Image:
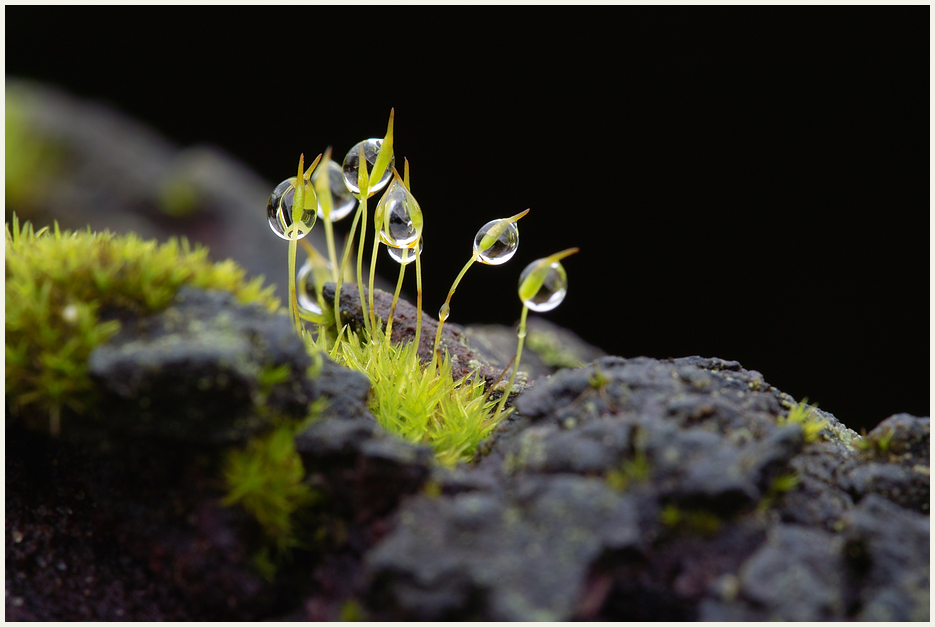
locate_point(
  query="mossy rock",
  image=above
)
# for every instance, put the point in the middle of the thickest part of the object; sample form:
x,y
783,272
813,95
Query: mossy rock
x,y
69,292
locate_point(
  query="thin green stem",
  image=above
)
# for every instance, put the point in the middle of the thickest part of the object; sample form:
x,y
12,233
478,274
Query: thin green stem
x,y
340,279
418,298
360,259
293,298
399,285
373,267
521,333
443,312
332,255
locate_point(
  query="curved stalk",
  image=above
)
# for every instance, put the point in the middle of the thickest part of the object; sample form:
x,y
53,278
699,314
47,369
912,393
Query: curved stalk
x,y
521,333
445,307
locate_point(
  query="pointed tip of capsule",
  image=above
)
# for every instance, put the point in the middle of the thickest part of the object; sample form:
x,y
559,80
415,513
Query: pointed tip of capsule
x,y
301,165
562,254
311,168
517,216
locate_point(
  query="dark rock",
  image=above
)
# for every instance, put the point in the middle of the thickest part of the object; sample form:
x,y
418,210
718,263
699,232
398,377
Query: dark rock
x,y
362,471
895,463
195,371
519,556
798,574
137,533
887,549
548,347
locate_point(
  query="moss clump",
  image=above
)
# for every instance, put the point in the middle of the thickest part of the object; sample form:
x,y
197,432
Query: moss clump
x,y
64,293
417,403
694,521
267,480
630,471
805,416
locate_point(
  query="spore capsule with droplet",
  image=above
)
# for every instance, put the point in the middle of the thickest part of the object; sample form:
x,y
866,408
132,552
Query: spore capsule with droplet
x,y
279,210
503,248
310,276
352,163
397,253
552,291
398,207
342,200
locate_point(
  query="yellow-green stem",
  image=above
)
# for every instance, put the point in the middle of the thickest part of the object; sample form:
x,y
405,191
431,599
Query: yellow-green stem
x,y
344,259
445,308
293,298
373,267
521,333
360,260
418,298
332,255
399,285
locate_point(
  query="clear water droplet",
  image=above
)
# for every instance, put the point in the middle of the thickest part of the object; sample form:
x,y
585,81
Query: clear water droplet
x,y
279,210
352,162
553,289
342,200
311,276
502,249
398,229
397,253
443,312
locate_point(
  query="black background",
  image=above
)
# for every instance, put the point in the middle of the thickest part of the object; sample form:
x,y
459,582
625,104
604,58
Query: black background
x,y
747,183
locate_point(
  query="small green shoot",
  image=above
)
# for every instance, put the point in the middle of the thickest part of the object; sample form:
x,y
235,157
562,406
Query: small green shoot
x,y
495,243
542,287
804,416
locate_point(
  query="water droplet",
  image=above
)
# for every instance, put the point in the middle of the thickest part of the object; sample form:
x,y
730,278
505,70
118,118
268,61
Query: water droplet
x,y
342,200
397,253
553,289
311,275
399,209
443,312
352,161
503,248
279,210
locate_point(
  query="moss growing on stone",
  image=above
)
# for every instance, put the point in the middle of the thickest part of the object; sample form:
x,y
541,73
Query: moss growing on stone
x,y
65,293
266,479
809,420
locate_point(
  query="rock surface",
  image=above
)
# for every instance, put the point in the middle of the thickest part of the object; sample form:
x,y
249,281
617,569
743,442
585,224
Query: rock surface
x,y
620,489
625,489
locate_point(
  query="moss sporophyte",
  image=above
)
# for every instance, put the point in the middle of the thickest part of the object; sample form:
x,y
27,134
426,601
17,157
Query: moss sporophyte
x,y
418,401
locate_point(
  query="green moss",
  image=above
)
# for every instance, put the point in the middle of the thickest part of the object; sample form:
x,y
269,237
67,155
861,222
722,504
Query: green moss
x,y
550,350
695,521
417,403
807,418
63,291
777,487
30,160
630,471
266,478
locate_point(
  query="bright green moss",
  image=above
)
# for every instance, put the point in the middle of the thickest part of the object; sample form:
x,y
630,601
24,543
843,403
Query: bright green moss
x,y
267,479
417,403
806,417
63,293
